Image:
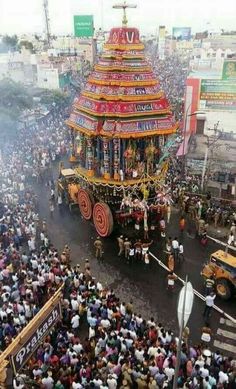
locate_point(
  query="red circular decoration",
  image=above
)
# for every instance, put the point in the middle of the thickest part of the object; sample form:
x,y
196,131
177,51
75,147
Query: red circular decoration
x,y
85,202
103,219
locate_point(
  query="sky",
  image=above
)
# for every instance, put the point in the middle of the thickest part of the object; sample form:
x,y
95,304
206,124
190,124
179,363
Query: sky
x,y
26,16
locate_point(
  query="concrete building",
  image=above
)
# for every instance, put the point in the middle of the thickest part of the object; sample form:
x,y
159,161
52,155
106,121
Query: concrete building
x,y
221,41
213,159
41,70
80,47
210,127
19,66
53,74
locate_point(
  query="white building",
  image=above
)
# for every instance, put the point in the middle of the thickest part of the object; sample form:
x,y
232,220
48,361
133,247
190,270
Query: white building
x,y
82,47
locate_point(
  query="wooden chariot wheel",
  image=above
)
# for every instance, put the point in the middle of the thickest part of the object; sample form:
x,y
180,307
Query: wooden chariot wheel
x,y
103,219
86,203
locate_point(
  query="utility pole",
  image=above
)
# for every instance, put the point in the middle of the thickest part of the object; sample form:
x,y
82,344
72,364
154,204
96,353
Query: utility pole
x,y
209,145
47,22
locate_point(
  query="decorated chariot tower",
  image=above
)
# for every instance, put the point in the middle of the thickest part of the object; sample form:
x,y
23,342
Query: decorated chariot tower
x,y
119,127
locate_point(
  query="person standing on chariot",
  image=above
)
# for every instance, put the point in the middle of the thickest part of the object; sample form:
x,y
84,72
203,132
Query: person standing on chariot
x,y
163,227
168,212
145,224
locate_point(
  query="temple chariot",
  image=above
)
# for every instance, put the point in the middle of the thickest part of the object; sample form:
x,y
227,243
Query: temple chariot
x,y
121,126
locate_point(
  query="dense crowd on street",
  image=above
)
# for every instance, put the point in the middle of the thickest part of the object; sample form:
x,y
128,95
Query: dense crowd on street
x,y
203,210
172,73
31,154
101,342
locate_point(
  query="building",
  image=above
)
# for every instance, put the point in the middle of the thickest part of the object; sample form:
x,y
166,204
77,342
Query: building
x,y
42,70
210,125
220,41
53,74
71,45
19,66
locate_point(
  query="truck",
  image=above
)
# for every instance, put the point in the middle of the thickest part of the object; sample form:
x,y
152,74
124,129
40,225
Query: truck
x,y
222,268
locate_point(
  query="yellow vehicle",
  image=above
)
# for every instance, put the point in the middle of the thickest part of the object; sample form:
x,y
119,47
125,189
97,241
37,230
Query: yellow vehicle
x,y
222,266
68,187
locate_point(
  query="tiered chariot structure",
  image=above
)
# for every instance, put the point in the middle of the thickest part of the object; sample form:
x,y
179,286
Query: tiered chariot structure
x,y
120,127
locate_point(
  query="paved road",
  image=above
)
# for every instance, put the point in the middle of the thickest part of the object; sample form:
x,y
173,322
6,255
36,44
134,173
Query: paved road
x,y
146,287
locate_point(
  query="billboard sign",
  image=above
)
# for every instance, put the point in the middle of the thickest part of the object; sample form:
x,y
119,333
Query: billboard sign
x,y
27,348
83,26
181,33
229,70
218,94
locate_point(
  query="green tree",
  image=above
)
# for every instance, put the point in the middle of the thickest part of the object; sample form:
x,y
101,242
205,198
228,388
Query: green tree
x,y
10,42
27,44
55,97
14,96
14,99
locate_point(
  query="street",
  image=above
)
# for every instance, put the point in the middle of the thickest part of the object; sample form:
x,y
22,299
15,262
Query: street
x,y
145,287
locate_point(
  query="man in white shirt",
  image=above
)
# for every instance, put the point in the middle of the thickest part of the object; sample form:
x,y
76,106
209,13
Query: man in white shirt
x,y
139,354
76,384
152,351
105,323
181,252
169,372
48,382
74,304
209,304
112,382
75,322
204,371
175,248
77,347
223,377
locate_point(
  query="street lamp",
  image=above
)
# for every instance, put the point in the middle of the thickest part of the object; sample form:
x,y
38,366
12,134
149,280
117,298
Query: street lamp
x,y
184,309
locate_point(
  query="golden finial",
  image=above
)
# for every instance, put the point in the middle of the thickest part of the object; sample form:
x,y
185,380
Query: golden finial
x,y
124,6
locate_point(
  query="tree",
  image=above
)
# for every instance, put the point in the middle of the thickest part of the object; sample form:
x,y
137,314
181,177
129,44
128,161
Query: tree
x,y
27,44
14,99
10,42
55,97
14,96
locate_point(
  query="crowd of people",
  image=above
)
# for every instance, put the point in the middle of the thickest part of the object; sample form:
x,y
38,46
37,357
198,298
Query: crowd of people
x,y
204,210
172,73
30,155
23,161
103,343
100,341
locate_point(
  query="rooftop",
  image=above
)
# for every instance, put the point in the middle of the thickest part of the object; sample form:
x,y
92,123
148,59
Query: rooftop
x,y
223,150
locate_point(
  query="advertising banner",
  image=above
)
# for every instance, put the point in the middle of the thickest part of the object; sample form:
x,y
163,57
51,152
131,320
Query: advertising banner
x,y
181,33
83,26
218,94
26,349
229,70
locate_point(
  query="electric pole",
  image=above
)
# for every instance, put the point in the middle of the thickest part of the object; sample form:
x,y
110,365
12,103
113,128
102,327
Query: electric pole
x,y
47,22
